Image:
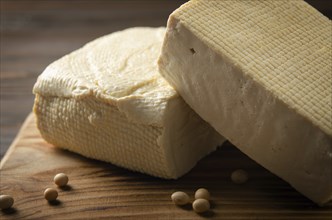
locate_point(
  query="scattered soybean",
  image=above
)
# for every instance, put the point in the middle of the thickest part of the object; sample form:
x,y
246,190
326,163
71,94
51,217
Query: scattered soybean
x,y
201,205
202,193
239,176
6,201
180,198
61,179
50,194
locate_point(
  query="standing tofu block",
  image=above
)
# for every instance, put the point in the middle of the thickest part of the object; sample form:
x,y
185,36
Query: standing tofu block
x,y
260,72
107,101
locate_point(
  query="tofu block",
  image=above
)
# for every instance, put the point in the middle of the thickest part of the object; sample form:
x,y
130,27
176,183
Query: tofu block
x,y
260,72
107,101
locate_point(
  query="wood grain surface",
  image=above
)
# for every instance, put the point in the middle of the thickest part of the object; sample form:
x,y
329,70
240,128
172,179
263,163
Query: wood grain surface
x,y
101,190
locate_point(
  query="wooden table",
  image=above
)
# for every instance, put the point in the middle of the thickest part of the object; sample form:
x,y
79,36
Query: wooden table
x,y
36,32
101,190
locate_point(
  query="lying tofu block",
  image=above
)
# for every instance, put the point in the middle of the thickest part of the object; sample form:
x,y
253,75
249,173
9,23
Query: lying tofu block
x,y
107,101
260,72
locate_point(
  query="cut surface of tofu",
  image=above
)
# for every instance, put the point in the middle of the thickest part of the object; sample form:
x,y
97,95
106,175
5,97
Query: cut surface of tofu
x,y
260,73
107,101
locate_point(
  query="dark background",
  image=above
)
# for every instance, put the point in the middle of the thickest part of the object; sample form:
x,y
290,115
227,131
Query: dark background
x,y
34,33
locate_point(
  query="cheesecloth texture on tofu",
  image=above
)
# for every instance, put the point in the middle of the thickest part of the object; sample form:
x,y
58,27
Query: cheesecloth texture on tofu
x,y
260,73
107,101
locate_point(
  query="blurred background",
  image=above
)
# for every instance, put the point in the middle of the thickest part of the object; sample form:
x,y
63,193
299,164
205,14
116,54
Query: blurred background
x,y
36,32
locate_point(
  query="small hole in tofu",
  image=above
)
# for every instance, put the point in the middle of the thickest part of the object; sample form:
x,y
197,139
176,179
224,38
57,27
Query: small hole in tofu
x,y
192,50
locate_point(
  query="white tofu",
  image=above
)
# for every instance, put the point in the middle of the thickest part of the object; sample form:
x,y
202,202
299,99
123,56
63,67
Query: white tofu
x,y
260,73
107,101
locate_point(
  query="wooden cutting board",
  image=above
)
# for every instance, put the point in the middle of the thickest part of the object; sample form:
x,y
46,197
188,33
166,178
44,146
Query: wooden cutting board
x,y
98,189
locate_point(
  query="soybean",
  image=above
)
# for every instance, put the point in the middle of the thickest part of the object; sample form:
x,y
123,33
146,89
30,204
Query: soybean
x,y
202,193
180,198
239,176
61,179
201,205
6,201
50,194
